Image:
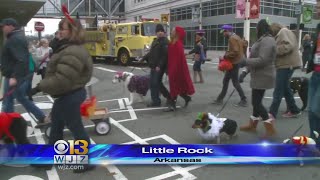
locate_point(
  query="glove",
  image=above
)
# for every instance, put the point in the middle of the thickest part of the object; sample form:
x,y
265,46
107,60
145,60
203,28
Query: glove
x,y
242,76
34,91
243,63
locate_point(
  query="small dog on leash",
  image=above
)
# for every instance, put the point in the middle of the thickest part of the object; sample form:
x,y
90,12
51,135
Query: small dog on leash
x,y
304,144
210,127
136,84
13,128
300,85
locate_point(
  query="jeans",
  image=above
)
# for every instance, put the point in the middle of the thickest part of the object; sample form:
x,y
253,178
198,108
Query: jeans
x,y
282,89
157,87
314,104
234,76
20,94
66,111
258,109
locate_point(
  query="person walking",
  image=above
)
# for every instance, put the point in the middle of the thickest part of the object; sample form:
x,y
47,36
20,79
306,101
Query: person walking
x,y
69,70
157,59
261,67
314,85
235,55
42,56
178,72
199,51
15,69
307,50
287,60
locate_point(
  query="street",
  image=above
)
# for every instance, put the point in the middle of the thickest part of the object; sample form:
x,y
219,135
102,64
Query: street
x,y
137,124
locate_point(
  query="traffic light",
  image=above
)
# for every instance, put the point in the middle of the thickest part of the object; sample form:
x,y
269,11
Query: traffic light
x,y
165,17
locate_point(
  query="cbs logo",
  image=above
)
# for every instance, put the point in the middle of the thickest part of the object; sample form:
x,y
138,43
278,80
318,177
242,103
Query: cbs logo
x,y
62,147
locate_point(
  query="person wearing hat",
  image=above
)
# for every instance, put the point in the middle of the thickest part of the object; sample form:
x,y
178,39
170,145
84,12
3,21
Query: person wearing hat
x,y
15,69
235,55
199,52
157,59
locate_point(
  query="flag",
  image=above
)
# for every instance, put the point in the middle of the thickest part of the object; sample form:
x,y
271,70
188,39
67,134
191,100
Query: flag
x,y
241,9
254,9
307,14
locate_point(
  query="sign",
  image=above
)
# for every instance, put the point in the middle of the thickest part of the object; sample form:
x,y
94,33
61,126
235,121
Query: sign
x,y
241,9
298,9
307,14
195,14
165,18
39,26
69,154
254,9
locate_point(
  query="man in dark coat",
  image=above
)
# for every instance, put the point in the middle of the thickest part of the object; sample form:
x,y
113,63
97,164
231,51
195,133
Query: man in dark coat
x,y
158,59
15,69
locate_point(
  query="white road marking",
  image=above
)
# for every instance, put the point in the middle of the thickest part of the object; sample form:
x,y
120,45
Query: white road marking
x,y
105,69
141,109
282,98
121,104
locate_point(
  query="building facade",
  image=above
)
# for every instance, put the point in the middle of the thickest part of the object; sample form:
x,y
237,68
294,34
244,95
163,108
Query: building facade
x,y
215,13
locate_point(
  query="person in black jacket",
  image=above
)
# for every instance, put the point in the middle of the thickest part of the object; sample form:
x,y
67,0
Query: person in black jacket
x,y
157,59
15,69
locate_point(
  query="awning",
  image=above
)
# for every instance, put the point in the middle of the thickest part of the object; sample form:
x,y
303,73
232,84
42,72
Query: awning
x,y
21,10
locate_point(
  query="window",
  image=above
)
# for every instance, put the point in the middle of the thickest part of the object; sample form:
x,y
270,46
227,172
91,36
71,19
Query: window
x,y
135,30
122,30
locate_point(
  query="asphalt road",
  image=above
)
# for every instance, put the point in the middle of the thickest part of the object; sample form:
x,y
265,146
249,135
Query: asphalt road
x,y
138,124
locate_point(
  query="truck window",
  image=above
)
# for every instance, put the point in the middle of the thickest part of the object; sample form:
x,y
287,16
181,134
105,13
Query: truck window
x,y
122,30
148,29
135,30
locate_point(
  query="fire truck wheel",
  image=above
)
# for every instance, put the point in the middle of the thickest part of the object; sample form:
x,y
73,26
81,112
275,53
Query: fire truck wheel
x,y
124,58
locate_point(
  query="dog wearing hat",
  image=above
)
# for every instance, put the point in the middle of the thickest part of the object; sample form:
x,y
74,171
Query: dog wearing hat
x,y
210,127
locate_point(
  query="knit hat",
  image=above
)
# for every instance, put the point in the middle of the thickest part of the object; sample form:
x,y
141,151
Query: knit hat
x,y
226,28
159,27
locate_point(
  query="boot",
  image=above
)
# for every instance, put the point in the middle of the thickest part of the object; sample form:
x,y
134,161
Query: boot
x,y
252,126
187,99
171,107
270,131
201,77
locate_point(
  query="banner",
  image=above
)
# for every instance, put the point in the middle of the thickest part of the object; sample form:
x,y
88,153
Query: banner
x,y
254,9
241,9
71,152
307,14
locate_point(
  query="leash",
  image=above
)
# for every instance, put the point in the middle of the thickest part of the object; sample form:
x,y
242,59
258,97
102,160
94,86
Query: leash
x,y
295,132
226,102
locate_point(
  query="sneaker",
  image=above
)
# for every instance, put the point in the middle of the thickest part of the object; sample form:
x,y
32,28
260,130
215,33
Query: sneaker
x,y
291,115
217,102
271,117
242,103
44,123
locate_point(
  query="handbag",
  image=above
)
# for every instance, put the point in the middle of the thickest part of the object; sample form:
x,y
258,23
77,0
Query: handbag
x,y
225,65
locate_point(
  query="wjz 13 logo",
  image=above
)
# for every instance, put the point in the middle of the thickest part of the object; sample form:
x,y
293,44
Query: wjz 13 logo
x,y
69,154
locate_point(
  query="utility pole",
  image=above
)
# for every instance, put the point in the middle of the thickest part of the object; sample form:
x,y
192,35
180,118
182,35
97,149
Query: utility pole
x,y
200,15
246,32
299,18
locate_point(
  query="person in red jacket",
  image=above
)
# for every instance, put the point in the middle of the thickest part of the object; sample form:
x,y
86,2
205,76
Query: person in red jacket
x,y
178,72
14,128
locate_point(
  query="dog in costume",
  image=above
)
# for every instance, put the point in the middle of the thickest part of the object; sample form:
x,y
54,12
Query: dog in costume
x,y
210,127
304,142
13,128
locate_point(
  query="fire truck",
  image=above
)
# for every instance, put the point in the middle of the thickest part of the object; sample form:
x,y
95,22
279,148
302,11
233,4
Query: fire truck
x,y
124,42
